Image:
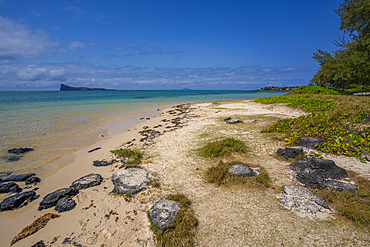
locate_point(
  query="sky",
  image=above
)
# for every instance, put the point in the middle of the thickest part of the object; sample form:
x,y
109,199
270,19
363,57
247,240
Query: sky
x,y
163,44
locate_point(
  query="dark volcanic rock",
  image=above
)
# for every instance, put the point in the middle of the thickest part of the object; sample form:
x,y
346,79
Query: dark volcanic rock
x,y
32,180
290,152
303,201
10,187
310,142
51,199
132,180
228,118
13,158
101,163
17,201
19,178
87,181
39,244
233,121
163,212
314,172
339,185
65,204
241,171
19,150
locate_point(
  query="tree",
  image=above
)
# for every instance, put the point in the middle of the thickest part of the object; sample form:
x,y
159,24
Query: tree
x,y
349,66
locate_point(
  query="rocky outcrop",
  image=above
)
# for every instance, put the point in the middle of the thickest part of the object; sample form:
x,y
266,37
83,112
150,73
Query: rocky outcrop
x,y
304,202
101,163
65,204
241,170
163,212
51,199
233,121
290,152
19,178
87,181
310,142
69,88
32,180
9,188
17,201
314,172
19,150
132,180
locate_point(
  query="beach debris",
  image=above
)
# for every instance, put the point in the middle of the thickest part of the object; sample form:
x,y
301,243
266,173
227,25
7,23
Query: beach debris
x,y
69,241
87,181
290,152
101,163
38,224
250,121
19,178
304,202
20,150
17,201
233,121
101,135
241,170
310,142
321,173
39,244
9,187
51,199
92,150
32,180
163,212
132,180
65,204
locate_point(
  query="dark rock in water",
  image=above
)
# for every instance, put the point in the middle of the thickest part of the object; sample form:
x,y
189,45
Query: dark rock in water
x,y
20,150
310,142
17,201
303,201
51,199
132,180
228,118
233,121
87,181
101,163
10,187
290,152
314,172
32,180
19,178
39,244
65,204
241,171
365,119
13,158
163,212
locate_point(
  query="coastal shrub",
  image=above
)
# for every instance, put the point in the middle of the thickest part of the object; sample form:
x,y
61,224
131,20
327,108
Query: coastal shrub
x,y
183,232
353,206
314,89
222,148
220,175
337,119
134,156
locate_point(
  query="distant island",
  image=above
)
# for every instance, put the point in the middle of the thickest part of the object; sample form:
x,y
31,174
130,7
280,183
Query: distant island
x,y
69,88
272,88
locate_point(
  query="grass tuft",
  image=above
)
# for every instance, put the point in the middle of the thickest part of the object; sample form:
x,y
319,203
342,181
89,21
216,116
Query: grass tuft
x,y
135,156
183,232
222,148
220,175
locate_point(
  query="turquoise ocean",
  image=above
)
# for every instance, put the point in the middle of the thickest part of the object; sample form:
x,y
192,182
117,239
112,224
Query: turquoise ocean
x,y
55,123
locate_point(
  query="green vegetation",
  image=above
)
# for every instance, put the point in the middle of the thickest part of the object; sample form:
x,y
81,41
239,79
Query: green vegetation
x,y
273,88
353,206
349,66
134,156
313,89
222,148
220,175
154,182
183,232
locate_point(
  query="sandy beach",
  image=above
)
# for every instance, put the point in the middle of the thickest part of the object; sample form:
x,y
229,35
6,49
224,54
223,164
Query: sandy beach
x,y
227,217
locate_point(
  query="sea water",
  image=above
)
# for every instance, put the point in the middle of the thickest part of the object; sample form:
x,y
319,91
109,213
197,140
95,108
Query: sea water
x,y
55,123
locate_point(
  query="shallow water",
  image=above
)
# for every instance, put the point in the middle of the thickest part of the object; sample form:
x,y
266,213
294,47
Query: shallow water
x,y
56,123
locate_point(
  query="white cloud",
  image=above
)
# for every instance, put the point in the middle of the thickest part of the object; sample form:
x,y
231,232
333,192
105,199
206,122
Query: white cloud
x,y
74,45
22,41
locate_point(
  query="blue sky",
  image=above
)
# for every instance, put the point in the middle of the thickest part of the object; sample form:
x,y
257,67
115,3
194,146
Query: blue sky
x,y
146,44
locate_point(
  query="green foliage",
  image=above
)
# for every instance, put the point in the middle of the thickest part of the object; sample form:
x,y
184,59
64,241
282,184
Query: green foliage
x,y
314,89
183,232
353,206
222,148
220,175
331,119
135,156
